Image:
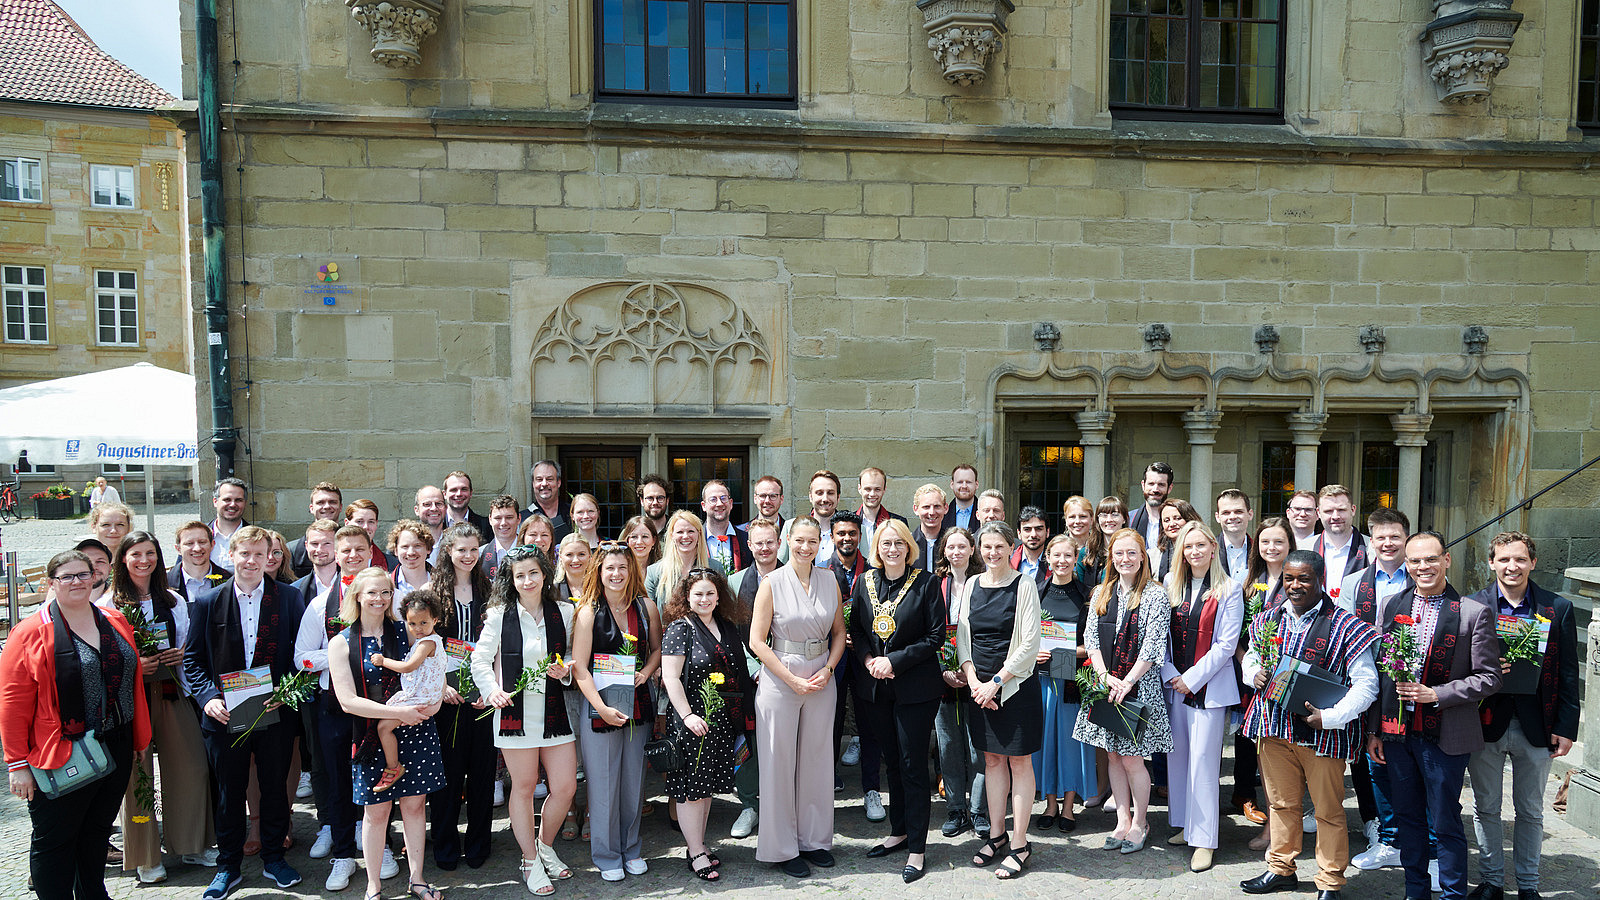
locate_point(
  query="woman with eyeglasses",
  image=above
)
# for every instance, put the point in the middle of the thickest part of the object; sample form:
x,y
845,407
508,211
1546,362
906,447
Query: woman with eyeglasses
x,y
641,539
1126,636
683,547
997,641
278,567
139,591
526,628
572,567
1110,516
466,739
586,518
897,625
109,522
1207,612
615,618
706,676
68,673
798,608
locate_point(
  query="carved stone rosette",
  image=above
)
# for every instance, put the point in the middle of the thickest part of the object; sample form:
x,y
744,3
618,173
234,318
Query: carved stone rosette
x,y
963,34
1466,46
398,28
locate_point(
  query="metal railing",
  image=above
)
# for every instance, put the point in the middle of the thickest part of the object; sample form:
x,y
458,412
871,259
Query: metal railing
x,y
1528,502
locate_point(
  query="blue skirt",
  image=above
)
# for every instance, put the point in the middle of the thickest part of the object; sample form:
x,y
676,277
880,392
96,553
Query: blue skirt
x,y
1064,764
419,753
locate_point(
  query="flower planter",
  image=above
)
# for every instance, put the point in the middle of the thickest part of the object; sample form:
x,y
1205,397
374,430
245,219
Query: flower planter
x,y
54,508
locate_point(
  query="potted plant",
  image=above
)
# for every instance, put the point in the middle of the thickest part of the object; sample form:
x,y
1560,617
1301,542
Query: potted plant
x,y
54,502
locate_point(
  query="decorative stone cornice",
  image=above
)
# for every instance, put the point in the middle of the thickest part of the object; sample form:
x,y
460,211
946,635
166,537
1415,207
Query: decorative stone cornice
x,y
398,28
963,34
1466,46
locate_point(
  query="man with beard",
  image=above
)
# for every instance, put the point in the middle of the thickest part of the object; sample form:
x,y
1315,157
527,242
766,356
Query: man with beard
x,y
769,499
1307,749
1426,727
457,503
963,506
1028,558
548,500
429,508
848,563
654,495
824,501
228,499
724,543
1146,520
326,502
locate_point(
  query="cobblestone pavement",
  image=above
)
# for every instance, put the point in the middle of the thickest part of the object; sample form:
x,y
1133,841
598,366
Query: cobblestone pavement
x,y
36,540
1062,866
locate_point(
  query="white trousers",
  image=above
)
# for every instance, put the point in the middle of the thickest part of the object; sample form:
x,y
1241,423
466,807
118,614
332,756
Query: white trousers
x,y
1194,771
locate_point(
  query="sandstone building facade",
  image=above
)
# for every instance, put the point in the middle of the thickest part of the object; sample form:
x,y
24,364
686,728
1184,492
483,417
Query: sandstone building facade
x,y
1313,243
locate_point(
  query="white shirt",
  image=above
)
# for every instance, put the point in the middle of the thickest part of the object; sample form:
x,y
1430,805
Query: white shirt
x,y
1334,559
1238,558
219,547
1152,535
1363,675
249,618
311,640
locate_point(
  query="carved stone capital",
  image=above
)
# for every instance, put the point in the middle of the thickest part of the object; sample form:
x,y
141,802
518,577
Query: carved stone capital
x,y
963,34
1094,426
1466,47
1307,428
1410,429
1202,425
1372,338
398,28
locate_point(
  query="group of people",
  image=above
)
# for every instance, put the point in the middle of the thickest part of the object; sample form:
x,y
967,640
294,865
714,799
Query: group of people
x,y
1093,667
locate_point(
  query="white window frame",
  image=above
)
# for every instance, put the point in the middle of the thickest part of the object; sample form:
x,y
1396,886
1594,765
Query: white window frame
x,y
119,296
116,182
19,299
25,175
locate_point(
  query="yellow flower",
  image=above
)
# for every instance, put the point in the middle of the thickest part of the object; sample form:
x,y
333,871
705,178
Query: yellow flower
x,y
140,820
718,678
215,577
558,660
1258,586
628,636
1541,618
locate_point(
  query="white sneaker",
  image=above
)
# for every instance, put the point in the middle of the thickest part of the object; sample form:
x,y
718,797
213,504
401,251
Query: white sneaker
x,y
390,868
541,791
875,811
1433,876
152,874
339,878
612,874
207,858
635,866
1308,823
852,752
499,792
323,845
1370,829
303,789
1381,856
745,825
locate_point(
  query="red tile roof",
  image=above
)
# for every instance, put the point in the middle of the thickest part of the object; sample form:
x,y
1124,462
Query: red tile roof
x,y
46,57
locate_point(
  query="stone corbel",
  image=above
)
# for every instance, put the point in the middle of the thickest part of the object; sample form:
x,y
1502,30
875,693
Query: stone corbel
x,y
963,34
1466,45
398,28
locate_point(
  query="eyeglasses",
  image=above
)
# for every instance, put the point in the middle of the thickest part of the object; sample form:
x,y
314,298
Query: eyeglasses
x,y
1303,510
769,496
72,577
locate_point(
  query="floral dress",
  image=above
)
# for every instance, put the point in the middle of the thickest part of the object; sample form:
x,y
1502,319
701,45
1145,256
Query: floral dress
x,y
1155,620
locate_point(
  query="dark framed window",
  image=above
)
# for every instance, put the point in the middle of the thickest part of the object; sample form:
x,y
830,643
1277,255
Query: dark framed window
x,y
689,468
1047,474
736,52
1214,59
611,474
1277,475
1380,479
1589,67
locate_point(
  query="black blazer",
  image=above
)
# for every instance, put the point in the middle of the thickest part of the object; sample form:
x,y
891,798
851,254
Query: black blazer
x,y
479,522
923,559
560,523
176,585
1529,708
950,516
913,649
201,672
1139,518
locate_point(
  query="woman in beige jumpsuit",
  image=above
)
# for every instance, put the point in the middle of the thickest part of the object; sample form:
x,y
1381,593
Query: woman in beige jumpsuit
x,y
798,606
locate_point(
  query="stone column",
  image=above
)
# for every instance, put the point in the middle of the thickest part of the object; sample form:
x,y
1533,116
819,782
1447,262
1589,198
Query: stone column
x,y
1410,435
1201,426
1307,431
1094,430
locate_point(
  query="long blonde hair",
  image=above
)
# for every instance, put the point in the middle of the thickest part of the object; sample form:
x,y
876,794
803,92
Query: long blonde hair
x,y
350,603
672,568
1108,582
1178,578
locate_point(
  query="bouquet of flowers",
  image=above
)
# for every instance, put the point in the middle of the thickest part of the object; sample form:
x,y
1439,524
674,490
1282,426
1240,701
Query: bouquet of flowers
x,y
293,690
1523,639
143,634
1399,655
711,703
948,660
1092,687
1267,643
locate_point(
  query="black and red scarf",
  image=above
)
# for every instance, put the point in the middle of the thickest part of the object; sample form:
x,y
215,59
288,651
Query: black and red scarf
x,y
364,736
1124,641
1192,633
512,717
608,639
117,663
1436,664
331,623
1355,561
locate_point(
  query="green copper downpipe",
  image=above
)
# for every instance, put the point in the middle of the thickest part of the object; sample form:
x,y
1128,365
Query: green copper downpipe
x,y
223,433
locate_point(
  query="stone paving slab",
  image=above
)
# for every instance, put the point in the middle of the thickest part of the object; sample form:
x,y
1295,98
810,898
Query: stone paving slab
x,y
1062,866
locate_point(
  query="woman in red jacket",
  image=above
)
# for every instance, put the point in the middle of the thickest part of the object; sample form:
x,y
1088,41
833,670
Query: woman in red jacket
x,y
68,670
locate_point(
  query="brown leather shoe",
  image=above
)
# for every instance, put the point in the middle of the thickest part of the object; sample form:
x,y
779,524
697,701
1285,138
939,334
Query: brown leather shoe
x,y
1253,813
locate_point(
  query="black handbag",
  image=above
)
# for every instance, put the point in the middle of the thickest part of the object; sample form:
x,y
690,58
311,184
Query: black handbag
x,y
665,757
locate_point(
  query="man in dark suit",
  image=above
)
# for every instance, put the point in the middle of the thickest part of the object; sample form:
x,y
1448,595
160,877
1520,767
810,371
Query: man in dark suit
x,y
1028,558
1156,485
871,484
457,508
963,500
1342,548
548,500
194,573
326,503
1233,518
1530,728
247,621
847,565
769,500
655,500
1426,727
725,544
928,505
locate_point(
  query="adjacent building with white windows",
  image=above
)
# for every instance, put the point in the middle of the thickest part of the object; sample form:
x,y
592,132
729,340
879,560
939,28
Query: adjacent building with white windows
x,y
92,217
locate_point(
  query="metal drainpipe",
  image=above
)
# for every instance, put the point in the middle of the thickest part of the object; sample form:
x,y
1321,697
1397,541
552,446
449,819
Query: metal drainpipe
x,y
212,210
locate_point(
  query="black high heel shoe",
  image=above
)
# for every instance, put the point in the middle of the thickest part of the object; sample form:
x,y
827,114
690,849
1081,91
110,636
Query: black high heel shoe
x,y
992,846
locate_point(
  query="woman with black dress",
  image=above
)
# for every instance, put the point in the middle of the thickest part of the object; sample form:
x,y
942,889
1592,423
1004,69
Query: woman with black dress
x,y
897,624
703,657
1064,768
466,735
997,641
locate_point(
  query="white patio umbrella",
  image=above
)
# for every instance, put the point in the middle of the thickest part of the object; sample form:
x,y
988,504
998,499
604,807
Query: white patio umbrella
x,y
136,415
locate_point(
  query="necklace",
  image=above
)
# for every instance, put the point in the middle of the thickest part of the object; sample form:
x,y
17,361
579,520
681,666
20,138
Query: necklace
x,y
883,610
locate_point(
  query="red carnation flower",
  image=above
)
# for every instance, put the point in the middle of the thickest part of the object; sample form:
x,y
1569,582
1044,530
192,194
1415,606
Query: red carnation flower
x,y
347,579
1334,593
1404,620
1088,663
1277,639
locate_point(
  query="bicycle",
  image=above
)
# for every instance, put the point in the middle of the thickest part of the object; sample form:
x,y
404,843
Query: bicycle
x,y
9,509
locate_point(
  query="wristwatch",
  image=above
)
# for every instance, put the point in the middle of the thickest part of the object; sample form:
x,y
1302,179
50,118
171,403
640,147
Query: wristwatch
x,y
998,681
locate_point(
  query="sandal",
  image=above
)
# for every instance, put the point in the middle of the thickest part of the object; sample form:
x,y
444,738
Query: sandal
x,y
389,777
1020,856
569,827
990,849
375,895
708,872
252,845
585,834
534,877
429,892
712,855
552,863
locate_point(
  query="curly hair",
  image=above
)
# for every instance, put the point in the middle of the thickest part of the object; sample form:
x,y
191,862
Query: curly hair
x,y
504,589
728,606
